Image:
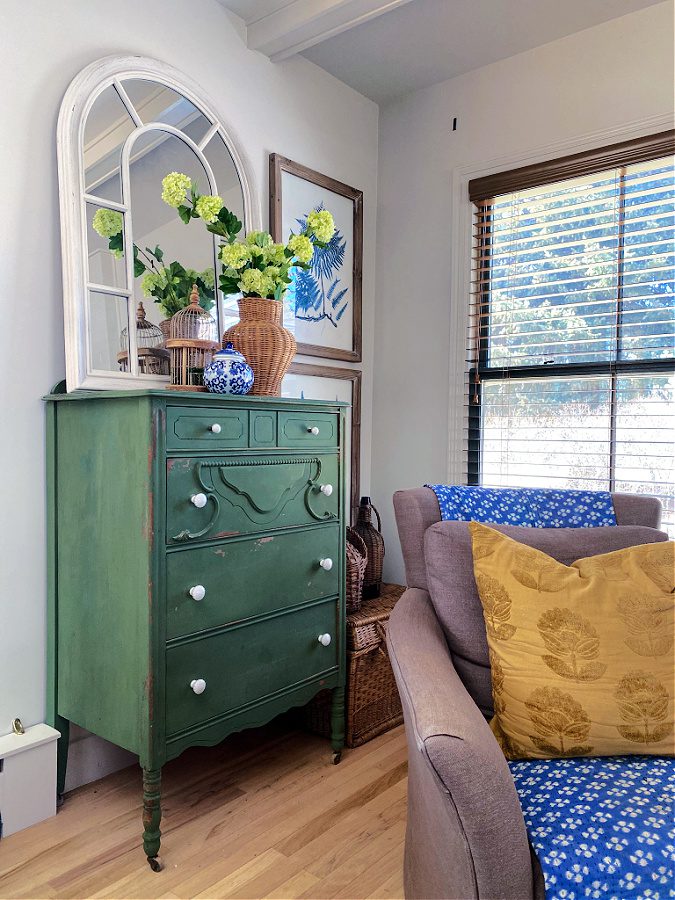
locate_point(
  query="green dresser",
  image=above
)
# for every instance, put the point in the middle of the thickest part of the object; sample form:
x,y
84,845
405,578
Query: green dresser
x,y
196,569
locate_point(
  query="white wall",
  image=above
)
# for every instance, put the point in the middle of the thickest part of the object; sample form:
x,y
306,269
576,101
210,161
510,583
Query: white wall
x,y
580,91
294,108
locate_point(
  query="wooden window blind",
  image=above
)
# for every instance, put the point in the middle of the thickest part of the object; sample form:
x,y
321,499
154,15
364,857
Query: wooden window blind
x,y
570,358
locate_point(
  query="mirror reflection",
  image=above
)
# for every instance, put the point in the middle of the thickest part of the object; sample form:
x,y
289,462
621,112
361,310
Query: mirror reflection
x,y
108,126
167,257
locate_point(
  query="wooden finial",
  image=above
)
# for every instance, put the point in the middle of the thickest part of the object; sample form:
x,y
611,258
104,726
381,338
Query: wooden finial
x,y
194,296
140,312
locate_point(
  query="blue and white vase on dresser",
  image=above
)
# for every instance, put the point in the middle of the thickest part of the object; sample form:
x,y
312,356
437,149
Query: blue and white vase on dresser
x,y
228,372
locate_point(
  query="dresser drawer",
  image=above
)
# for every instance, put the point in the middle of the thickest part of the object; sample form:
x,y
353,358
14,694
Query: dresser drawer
x,y
242,579
248,663
206,428
308,430
215,498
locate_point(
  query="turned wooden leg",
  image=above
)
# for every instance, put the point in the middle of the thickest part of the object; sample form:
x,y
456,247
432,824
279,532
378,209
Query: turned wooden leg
x,y
152,814
337,723
63,727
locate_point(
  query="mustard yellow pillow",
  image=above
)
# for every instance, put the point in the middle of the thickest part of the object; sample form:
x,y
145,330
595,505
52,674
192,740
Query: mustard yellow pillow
x,y
582,656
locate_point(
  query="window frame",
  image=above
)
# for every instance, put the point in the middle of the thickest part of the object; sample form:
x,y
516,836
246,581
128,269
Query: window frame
x,y
481,190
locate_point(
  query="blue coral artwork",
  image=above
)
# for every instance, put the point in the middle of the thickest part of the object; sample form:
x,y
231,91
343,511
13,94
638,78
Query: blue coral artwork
x,y
322,302
319,294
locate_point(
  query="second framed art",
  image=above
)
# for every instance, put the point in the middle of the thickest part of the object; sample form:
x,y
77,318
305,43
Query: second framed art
x,y
323,304
309,382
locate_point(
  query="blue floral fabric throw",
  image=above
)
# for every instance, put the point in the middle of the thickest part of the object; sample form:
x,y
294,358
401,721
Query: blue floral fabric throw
x,y
536,507
602,828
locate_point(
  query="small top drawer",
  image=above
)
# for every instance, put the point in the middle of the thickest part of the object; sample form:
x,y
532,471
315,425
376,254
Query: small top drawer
x,y
310,429
206,428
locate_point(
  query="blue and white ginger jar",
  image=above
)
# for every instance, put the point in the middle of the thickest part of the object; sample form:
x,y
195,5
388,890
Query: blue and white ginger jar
x,y
228,372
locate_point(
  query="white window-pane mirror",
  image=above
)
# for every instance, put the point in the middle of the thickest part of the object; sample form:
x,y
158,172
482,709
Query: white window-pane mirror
x,y
125,123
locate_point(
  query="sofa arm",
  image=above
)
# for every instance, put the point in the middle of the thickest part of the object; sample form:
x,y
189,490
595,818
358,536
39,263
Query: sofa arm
x,y
466,834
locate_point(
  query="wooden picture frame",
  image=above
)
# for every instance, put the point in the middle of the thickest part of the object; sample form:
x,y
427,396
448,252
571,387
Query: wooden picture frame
x,y
354,376
280,166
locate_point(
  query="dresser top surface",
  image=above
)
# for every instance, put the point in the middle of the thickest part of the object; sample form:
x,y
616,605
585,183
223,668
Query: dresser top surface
x,y
194,398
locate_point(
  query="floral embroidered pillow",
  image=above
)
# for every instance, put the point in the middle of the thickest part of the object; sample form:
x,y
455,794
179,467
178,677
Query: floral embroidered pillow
x,y
582,656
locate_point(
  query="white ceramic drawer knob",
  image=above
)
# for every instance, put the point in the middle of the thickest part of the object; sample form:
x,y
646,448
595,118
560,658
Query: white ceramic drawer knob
x,y
326,564
313,430
326,489
198,592
215,428
325,639
198,685
199,500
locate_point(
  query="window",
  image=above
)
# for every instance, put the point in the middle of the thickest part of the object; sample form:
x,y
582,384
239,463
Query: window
x,y
571,358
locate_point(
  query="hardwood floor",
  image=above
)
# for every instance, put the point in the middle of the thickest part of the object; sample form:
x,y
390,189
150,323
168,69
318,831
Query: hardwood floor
x,y
264,814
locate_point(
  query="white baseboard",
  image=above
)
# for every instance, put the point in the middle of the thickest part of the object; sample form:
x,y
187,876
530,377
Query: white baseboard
x,y
91,758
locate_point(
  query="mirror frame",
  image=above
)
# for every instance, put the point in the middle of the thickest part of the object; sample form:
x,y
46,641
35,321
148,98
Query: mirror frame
x,y
77,102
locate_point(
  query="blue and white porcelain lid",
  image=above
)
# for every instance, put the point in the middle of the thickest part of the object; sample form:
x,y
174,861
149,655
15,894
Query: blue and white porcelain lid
x,y
228,352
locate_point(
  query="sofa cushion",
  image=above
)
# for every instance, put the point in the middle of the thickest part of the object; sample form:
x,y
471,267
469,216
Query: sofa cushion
x,y
582,656
603,827
449,565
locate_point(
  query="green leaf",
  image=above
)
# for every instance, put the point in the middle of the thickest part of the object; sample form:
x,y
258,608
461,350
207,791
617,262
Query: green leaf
x,y
139,268
116,242
158,253
185,213
230,222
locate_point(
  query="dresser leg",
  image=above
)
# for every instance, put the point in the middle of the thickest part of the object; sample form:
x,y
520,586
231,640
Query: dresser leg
x,y
337,723
63,727
152,814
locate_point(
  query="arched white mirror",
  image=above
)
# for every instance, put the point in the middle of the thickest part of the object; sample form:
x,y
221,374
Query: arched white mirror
x,y
125,123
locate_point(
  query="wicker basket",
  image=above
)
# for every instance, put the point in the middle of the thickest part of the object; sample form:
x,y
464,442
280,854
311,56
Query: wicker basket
x,y
357,559
373,705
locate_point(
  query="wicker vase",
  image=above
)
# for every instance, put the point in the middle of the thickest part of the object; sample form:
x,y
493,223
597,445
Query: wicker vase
x,y
266,345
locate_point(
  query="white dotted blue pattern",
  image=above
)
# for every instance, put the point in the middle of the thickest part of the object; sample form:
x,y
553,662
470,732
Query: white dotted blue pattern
x,y
535,507
603,827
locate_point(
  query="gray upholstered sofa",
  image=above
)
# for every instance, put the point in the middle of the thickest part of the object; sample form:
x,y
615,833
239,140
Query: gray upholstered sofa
x,y
466,834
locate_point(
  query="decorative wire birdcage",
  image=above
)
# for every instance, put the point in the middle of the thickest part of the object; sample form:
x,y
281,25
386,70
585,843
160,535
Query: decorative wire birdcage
x,y
191,343
153,358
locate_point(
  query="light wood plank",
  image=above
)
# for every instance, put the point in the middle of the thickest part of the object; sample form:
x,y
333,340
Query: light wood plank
x,y
264,814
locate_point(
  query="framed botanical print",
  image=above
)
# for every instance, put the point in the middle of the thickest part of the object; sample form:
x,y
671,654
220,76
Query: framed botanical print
x,y
323,304
309,382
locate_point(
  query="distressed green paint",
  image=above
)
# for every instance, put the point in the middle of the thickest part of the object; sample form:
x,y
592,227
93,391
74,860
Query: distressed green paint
x,y
287,573
244,663
248,493
125,637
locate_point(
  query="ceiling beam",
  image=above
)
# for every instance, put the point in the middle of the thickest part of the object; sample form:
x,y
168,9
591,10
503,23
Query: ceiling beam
x,y
304,23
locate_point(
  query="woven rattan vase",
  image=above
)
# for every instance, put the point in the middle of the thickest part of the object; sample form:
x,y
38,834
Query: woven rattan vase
x,y
264,342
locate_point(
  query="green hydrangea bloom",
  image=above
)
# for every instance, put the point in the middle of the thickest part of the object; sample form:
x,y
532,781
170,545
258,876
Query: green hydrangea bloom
x,y
320,223
207,277
252,282
259,238
107,222
151,281
174,187
235,256
274,255
301,247
207,208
